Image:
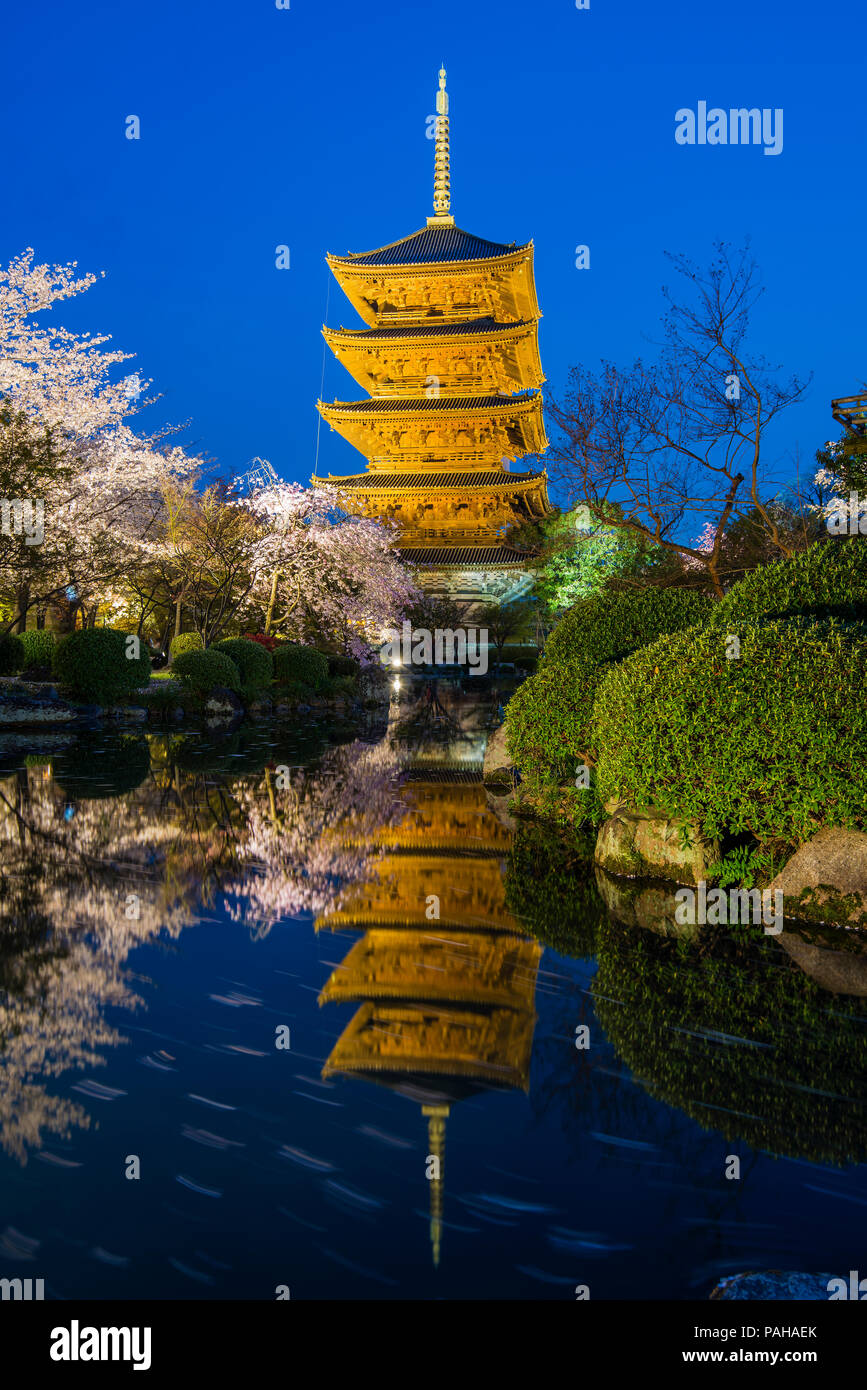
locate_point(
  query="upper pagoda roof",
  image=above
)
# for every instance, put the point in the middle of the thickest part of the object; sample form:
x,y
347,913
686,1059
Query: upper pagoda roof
x,y
432,246
435,405
442,330
411,482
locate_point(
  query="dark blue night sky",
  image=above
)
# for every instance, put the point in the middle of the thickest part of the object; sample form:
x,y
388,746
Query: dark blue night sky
x,y
306,127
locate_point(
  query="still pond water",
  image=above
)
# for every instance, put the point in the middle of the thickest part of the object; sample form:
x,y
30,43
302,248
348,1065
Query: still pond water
x,y
174,905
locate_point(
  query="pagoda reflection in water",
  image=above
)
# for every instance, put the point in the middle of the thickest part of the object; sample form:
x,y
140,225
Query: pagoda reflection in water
x,y
446,1001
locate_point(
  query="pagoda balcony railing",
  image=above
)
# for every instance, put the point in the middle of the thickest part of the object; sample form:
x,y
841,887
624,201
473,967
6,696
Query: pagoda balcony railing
x,y
486,533
413,387
491,457
851,411
428,315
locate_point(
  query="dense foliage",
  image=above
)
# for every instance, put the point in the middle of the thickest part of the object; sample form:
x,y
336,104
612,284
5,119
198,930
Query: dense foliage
x,y
609,626
99,664
201,672
758,744
185,642
37,648
254,662
829,580
296,663
549,718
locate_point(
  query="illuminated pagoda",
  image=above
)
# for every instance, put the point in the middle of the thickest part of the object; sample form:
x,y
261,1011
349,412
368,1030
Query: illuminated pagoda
x,y
446,1004
449,359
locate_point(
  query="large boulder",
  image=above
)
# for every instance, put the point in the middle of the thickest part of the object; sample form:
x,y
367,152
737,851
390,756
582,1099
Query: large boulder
x,y
648,844
651,906
826,879
838,972
498,770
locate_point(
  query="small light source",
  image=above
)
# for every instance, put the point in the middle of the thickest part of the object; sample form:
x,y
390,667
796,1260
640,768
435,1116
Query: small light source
x,y
395,661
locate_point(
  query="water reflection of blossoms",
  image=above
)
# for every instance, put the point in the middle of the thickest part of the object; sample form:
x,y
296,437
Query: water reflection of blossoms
x,y
308,833
105,846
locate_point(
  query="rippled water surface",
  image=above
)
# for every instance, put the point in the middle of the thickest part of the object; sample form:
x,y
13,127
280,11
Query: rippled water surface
x,y
175,905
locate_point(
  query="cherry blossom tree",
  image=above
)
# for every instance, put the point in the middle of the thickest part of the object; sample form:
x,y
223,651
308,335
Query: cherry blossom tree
x,y
100,483
319,567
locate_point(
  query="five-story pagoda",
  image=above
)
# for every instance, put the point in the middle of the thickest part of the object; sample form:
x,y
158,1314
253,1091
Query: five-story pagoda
x,y
449,359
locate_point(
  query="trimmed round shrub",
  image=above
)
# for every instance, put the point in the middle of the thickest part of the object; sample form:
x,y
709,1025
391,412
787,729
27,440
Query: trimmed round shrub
x,y
343,666
98,664
769,743
185,642
828,580
37,648
11,653
293,662
609,626
201,672
545,722
549,717
254,662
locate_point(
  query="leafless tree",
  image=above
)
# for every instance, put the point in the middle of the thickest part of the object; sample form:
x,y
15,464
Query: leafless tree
x,y
679,443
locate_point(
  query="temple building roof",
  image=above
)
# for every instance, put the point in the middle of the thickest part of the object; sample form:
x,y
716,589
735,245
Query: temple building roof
x,y
436,405
425,330
465,556
407,482
432,246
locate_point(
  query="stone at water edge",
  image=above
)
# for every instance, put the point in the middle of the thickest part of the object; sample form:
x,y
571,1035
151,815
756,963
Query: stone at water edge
x,y
783,1285
838,972
826,879
223,701
651,906
648,845
499,770
24,710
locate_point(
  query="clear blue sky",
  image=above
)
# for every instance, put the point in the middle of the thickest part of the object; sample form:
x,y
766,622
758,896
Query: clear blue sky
x,y
306,127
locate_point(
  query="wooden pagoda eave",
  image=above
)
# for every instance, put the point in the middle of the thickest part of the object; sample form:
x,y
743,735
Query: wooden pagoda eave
x,y
511,353
499,269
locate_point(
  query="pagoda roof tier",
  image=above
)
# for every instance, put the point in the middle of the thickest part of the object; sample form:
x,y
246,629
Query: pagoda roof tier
x,y
431,245
492,1045
440,430
459,968
465,557
454,481
481,356
440,272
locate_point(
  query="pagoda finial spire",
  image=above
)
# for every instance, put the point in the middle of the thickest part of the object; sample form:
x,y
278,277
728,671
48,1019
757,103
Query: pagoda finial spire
x,y
442,175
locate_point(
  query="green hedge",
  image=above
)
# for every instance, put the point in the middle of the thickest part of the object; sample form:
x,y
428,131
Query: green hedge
x,y
609,626
11,653
200,672
37,648
254,662
770,744
296,663
93,664
185,642
549,718
828,580
546,723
